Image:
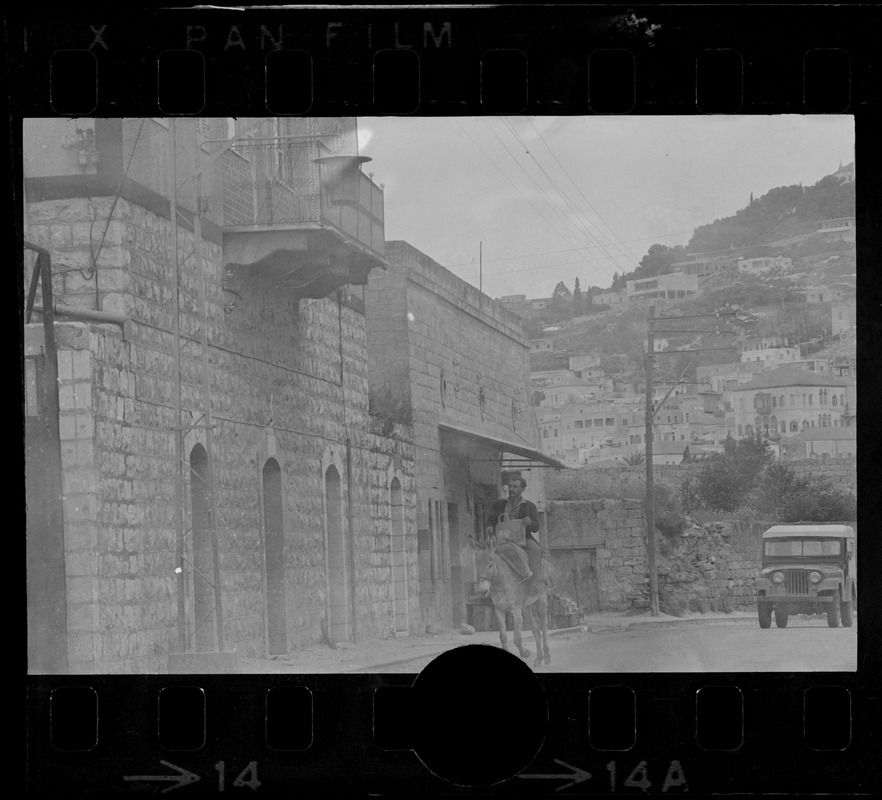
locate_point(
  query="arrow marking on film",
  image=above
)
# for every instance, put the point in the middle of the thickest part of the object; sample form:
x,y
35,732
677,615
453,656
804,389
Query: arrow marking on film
x,y
183,777
576,775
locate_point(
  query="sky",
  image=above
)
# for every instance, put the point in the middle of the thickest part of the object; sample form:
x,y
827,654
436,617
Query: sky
x,y
548,199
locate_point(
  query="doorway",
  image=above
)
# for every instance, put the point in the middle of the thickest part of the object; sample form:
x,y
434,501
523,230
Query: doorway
x,y
205,621
274,542
399,557
458,552
338,559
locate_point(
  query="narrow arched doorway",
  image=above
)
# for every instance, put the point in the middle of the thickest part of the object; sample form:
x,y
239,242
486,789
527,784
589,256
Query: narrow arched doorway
x,y
338,558
274,543
399,556
205,622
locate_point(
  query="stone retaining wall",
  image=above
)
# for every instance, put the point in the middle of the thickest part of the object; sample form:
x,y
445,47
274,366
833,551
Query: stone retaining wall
x,y
598,553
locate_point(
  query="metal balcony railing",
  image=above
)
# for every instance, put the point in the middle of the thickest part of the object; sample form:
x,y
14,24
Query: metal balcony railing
x,y
281,185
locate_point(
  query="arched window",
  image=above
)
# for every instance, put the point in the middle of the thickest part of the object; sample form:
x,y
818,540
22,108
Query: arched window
x,y
811,398
835,402
794,425
805,424
792,401
803,400
748,430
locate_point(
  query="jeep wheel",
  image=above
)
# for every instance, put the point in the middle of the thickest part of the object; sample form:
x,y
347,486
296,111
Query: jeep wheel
x,y
833,611
780,618
764,612
845,611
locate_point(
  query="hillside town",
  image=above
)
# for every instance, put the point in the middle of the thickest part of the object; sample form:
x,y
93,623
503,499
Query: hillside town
x,y
791,383
256,427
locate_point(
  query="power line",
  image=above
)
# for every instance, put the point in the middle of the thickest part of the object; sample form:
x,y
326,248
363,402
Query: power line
x,y
567,199
590,204
569,250
581,230
505,175
566,196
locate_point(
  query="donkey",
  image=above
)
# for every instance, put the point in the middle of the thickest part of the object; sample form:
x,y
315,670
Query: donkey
x,y
511,593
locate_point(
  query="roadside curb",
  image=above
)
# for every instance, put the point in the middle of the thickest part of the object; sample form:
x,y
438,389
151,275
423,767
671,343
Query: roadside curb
x,y
583,628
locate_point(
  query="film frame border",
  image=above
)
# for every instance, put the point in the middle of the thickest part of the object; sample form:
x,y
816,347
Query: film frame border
x,y
664,87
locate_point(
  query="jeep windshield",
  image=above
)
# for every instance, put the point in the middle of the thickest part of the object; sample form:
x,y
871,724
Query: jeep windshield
x,y
802,547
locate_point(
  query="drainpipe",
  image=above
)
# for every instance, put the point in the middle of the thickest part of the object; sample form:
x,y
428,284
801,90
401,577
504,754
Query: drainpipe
x,y
350,534
89,315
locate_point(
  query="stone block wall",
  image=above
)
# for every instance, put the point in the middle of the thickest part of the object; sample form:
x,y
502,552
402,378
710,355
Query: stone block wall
x,y
293,373
708,568
456,357
841,472
612,532
705,570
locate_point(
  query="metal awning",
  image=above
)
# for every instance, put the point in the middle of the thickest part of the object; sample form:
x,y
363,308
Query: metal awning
x,y
530,457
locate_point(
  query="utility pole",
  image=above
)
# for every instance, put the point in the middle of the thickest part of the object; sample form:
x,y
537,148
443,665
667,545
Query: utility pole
x,y
650,493
650,416
206,392
179,433
480,266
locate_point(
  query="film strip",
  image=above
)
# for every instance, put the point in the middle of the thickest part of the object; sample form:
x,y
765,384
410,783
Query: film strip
x,y
475,719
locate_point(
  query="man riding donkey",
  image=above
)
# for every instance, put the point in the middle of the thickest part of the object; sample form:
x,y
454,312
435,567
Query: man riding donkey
x,y
510,566
525,559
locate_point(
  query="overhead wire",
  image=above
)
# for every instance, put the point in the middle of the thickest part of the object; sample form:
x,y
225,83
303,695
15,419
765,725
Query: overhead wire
x,y
579,190
581,219
555,207
568,250
508,178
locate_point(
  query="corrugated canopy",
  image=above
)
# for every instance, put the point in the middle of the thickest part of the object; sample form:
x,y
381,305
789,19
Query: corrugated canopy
x,y
530,455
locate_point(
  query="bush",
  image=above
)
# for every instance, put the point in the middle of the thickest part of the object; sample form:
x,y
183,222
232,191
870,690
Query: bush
x,y
818,501
727,479
746,483
390,409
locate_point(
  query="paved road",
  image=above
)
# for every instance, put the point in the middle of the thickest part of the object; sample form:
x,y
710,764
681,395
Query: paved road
x,y
806,644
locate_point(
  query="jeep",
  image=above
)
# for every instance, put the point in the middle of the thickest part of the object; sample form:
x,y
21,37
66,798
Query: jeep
x,y
807,569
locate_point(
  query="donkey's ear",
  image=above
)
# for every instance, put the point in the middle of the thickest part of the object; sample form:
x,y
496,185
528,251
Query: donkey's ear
x,y
491,542
472,542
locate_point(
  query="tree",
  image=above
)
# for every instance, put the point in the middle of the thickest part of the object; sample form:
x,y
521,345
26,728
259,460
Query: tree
x,y
783,496
658,260
561,305
818,500
577,299
727,479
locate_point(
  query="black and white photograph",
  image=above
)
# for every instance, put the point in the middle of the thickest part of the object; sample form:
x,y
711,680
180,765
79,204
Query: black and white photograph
x,y
340,394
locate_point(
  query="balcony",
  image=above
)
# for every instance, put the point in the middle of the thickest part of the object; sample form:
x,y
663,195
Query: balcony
x,y
308,218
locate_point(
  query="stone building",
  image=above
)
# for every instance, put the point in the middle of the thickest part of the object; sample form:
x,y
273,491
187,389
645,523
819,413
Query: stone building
x,y
456,364
672,285
223,489
787,400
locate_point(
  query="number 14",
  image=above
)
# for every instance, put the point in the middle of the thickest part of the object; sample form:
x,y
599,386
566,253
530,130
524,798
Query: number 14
x,y
250,771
